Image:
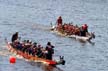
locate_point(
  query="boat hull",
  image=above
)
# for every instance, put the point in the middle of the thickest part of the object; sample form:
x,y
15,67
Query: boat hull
x,y
86,38
30,57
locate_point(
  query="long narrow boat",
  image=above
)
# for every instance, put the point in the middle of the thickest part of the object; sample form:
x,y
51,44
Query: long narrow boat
x,y
32,58
83,38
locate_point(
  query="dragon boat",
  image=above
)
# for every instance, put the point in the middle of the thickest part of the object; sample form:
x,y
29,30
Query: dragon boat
x,y
34,58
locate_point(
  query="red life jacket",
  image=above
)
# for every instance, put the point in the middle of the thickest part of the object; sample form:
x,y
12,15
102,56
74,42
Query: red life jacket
x,y
84,27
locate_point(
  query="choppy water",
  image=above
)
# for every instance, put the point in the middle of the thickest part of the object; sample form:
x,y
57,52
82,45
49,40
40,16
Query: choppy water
x,y
28,18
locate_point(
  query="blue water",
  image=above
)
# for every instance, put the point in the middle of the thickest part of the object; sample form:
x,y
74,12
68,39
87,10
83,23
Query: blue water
x,y
31,19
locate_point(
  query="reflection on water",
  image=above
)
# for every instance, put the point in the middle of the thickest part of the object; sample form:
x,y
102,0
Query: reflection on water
x,y
22,65
45,67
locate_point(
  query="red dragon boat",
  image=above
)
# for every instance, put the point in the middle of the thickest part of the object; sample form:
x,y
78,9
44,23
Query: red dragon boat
x,y
34,58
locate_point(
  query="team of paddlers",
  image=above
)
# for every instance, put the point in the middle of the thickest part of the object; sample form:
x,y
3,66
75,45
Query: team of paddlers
x,y
71,29
33,49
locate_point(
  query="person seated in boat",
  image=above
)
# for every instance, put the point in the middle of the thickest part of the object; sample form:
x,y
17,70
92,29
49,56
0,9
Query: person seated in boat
x,y
19,46
71,29
84,30
50,50
28,44
34,45
32,49
14,37
29,50
39,51
77,31
65,28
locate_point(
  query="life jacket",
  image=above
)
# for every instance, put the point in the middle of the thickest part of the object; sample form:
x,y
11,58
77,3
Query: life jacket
x,y
84,27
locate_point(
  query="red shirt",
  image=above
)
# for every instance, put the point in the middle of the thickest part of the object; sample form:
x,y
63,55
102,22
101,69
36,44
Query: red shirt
x,y
59,21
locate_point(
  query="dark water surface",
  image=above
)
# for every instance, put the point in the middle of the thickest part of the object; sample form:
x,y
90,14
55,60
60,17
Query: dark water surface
x,y
31,19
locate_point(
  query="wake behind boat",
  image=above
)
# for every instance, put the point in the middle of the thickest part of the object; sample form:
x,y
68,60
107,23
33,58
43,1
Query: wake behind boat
x,y
33,52
72,31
